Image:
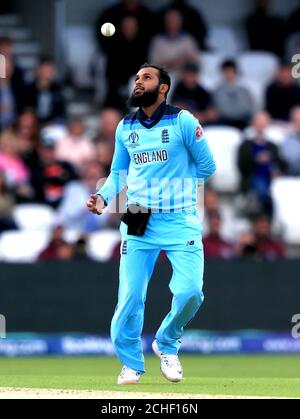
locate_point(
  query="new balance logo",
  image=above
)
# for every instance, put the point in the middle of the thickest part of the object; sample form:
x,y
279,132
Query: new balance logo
x,y
124,248
190,243
165,136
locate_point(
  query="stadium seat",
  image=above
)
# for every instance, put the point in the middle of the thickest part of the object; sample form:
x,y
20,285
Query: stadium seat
x,y
34,217
224,142
277,134
210,74
10,20
100,245
258,65
26,48
274,133
80,51
22,246
28,62
257,91
16,33
222,39
285,193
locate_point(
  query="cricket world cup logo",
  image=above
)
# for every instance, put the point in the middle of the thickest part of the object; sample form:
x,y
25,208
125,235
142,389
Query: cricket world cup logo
x,y
133,139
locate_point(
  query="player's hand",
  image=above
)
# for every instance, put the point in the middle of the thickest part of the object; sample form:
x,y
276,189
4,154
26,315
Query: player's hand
x,y
95,204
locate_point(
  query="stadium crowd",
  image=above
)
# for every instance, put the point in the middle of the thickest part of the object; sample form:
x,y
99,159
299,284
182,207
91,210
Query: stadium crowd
x,y
50,163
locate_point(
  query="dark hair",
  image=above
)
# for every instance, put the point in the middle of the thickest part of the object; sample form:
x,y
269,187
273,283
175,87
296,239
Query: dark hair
x,y
5,40
229,64
163,75
214,214
258,216
46,59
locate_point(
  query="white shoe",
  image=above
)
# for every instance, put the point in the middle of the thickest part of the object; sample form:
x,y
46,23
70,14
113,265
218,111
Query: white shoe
x,y
128,376
170,365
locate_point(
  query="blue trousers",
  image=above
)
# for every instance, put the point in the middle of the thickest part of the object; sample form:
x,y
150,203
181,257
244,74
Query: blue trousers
x,y
179,234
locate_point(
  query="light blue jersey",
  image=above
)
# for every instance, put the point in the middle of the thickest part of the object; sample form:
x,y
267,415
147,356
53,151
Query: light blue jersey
x,y
160,160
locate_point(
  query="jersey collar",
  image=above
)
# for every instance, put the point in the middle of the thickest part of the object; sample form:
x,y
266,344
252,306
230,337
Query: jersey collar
x,y
155,118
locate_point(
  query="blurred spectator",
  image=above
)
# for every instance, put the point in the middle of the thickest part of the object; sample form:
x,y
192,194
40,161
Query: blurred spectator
x,y
213,204
58,249
282,94
5,7
173,48
50,176
267,246
45,95
290,148
16,173
129,43
15,170
6,205
108,122
190,95
75,147
72,211
265,31
234,102
258,244
26,132
215,247
103,155
259,162
12,88
116,13
11,96
193,22
293,22
245,247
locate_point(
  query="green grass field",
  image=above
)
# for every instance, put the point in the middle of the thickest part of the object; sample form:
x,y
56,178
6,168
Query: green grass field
x,y
277,376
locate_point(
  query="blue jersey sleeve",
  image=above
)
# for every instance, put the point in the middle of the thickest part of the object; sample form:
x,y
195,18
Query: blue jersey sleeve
x,y
116,180
195,141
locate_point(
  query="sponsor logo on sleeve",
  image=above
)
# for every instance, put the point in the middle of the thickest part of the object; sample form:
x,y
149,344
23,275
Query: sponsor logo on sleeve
x,y
199,133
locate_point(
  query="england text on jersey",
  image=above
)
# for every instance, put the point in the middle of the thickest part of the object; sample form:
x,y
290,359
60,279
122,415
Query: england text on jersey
x,y
150,156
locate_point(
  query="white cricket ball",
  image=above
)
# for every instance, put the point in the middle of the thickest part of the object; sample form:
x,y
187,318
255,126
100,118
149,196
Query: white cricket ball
x,y
108,29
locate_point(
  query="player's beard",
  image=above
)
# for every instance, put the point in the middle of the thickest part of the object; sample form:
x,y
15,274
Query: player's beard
x,y
148,98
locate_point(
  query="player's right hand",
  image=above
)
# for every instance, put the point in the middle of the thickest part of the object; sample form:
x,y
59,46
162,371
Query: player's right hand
x,y
95,204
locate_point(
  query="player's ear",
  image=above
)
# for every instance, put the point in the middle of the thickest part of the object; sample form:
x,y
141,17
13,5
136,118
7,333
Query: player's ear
x,y
164,88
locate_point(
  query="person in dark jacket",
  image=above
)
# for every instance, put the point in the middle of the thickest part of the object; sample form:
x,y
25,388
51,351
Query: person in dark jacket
x,y
115,15
193,21
127,42
50,176
283,94
265,31
190,95
45,95
259,162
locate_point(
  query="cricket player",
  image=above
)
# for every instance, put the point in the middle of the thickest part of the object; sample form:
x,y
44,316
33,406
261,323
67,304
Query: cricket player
x,y
161,155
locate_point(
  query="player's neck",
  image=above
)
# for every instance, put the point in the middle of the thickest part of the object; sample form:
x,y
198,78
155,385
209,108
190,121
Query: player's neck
x,y
149,110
